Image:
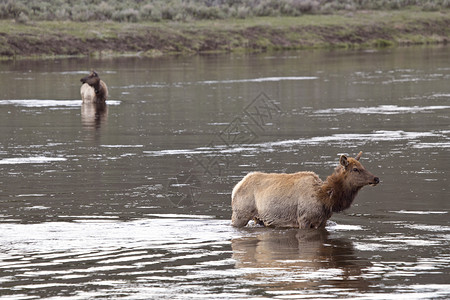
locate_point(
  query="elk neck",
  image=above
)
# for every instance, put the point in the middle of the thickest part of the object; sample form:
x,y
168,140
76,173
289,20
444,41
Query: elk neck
x,y
97,87
336,193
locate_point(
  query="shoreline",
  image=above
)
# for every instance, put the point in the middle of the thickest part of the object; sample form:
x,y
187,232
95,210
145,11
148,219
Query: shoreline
x,y
355,30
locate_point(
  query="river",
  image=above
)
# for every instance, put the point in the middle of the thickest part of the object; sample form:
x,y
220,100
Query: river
x,y
132,201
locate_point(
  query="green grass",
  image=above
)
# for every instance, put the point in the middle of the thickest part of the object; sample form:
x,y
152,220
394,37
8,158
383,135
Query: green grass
x,y
342,30
109,28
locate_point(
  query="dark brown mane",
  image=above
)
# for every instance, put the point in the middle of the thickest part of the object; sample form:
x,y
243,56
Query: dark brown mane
x,y
340,189
334,192
99,91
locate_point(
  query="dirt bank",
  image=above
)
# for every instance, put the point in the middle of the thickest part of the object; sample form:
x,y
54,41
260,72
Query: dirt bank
x,y
364,29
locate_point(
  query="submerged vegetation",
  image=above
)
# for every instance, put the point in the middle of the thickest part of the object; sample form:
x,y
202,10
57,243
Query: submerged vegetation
x,y
188,10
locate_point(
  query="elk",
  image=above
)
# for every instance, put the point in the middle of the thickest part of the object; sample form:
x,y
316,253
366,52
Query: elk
x,y
93,89
300,200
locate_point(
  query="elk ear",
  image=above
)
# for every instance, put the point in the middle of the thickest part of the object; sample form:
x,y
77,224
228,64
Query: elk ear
x,y
343,161
359,155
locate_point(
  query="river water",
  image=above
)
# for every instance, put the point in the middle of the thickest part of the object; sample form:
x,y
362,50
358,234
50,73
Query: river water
x,y
132,200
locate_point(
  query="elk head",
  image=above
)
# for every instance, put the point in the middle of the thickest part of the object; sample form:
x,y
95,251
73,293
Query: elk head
x,y
356,176
92,79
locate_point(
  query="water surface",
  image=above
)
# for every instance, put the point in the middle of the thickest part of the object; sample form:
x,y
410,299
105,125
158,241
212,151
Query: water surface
x,y
132,200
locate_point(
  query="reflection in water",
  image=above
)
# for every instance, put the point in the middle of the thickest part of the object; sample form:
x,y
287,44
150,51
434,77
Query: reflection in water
x,y
93,115
294,260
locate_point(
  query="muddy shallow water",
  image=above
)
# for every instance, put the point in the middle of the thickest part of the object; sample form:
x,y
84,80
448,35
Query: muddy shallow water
x,y
133,200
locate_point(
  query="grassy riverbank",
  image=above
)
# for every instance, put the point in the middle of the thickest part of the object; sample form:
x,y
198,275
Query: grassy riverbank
x,y
360,29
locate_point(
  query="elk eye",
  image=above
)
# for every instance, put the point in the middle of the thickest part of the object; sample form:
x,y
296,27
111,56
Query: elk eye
x,y
355,170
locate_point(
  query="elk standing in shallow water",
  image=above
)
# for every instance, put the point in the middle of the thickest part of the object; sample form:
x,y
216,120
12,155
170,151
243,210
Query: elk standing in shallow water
x,y
93,89
300,199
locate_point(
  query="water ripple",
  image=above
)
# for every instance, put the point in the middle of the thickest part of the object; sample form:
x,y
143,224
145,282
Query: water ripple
x,y
49,103
382,109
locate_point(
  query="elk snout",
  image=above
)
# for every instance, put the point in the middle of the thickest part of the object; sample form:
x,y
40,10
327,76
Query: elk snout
x,y
376,181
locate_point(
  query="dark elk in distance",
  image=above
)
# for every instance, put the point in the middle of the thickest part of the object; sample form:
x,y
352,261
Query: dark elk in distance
x,y
93,90
301,199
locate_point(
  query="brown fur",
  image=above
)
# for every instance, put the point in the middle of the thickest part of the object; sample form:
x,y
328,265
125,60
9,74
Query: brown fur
x,y
93,89
300,199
